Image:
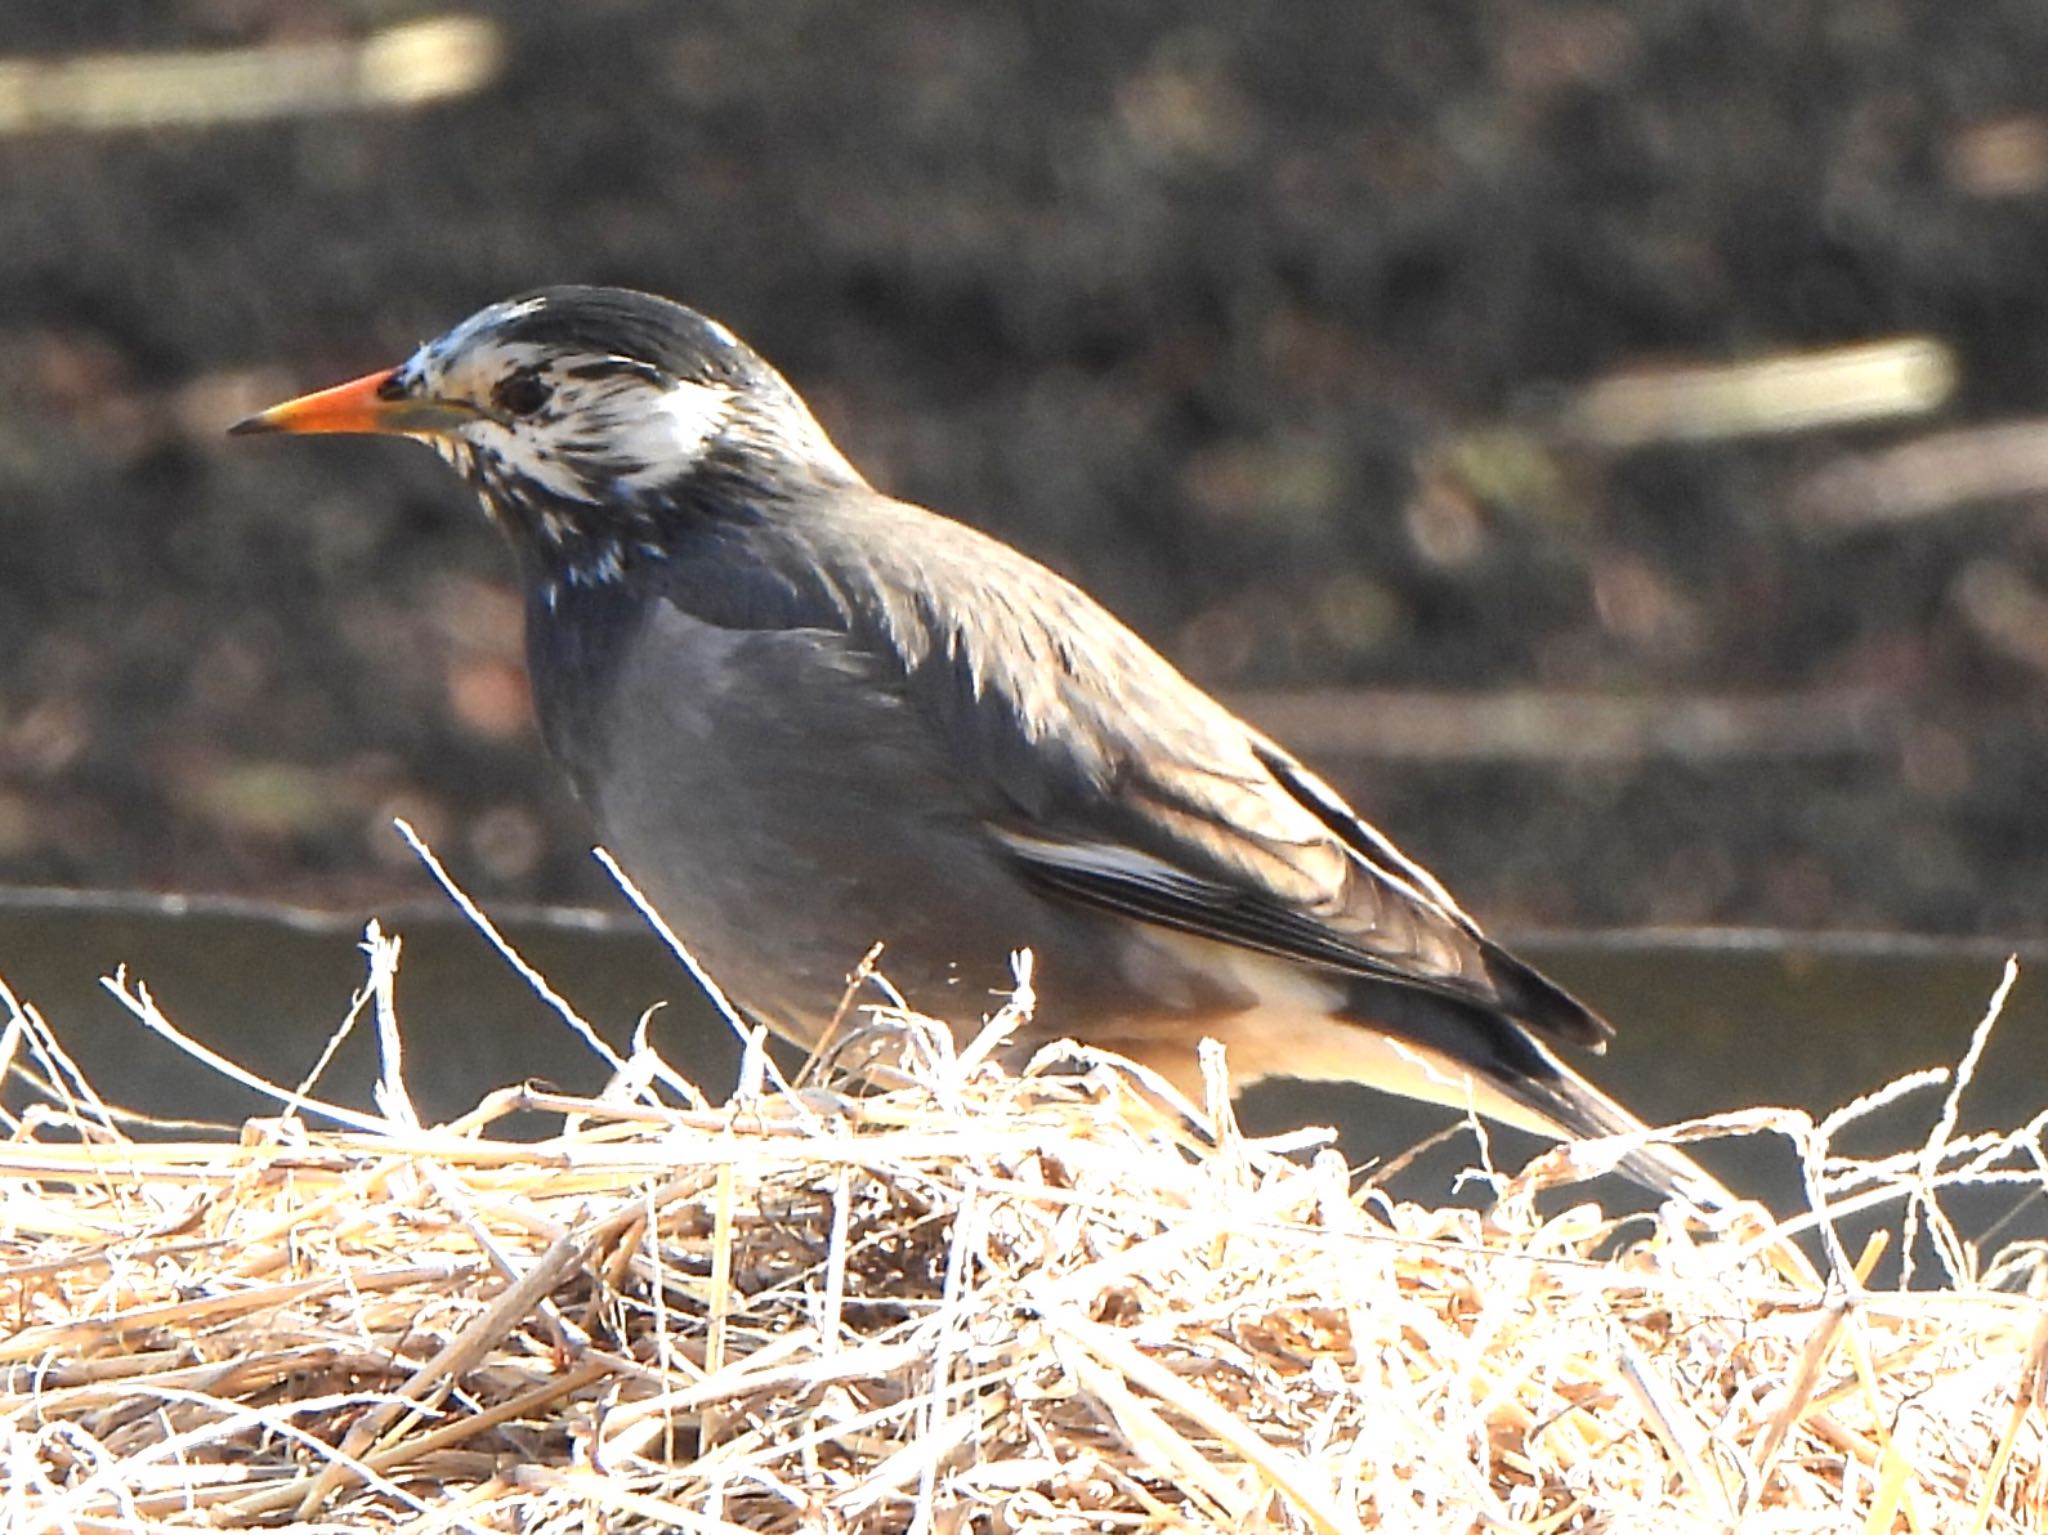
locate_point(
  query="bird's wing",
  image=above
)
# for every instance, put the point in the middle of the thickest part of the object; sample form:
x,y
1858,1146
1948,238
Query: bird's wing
x,y
1112,780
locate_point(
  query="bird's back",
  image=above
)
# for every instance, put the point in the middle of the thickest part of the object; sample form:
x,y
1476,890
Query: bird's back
x,y
937,667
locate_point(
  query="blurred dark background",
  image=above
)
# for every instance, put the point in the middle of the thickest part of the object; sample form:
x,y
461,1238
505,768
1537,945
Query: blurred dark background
x,y
1611,440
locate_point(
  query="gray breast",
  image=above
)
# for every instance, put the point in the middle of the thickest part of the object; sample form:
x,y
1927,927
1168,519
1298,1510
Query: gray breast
x,y
779,799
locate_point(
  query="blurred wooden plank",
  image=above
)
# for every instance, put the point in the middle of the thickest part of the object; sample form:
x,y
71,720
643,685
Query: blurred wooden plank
x,y
427,59
1775,395
1927,476
1538,725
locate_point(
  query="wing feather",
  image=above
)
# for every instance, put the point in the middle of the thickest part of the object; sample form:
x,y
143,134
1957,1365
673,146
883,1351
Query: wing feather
x,y
1111,780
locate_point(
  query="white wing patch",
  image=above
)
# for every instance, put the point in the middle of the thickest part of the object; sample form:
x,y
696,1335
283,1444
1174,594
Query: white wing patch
x,y
1105,859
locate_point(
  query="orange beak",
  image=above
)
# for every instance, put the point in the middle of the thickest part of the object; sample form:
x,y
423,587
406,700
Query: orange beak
x,y
367,404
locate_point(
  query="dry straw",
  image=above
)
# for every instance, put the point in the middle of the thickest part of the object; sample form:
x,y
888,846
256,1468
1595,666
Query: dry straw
x,y
964,1299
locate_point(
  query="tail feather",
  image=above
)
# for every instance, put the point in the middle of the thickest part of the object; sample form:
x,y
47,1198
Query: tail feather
x,y
1580,1111
1517,1080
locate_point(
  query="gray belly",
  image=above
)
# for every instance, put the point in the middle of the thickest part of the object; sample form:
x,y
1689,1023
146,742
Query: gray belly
x,y
785,810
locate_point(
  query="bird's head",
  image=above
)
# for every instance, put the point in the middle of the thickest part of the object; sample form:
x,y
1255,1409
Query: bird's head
x,y
583,415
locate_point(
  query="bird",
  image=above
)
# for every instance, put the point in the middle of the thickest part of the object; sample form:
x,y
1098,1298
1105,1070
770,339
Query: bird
x,y
809,718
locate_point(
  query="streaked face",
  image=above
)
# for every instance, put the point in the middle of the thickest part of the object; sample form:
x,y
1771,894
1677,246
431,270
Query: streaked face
x,y
577,414
585,426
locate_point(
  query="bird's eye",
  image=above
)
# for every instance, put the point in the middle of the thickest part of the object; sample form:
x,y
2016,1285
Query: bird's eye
x,y
522,394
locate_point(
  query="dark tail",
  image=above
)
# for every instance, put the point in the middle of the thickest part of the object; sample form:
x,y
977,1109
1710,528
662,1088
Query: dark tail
x,y
1577,1109
1519,1082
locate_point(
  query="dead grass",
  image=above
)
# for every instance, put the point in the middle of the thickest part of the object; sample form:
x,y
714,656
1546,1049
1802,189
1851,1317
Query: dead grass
x,y
1055,1301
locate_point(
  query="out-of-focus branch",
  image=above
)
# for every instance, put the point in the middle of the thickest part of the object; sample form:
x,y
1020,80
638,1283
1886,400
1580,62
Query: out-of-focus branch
x,y
1931,474
1530,724
401,66
1777,395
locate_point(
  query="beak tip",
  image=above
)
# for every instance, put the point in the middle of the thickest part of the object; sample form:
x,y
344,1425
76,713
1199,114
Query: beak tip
x,y
359,405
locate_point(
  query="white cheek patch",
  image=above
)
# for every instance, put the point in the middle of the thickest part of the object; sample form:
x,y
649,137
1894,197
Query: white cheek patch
x,y
618,437
664,433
